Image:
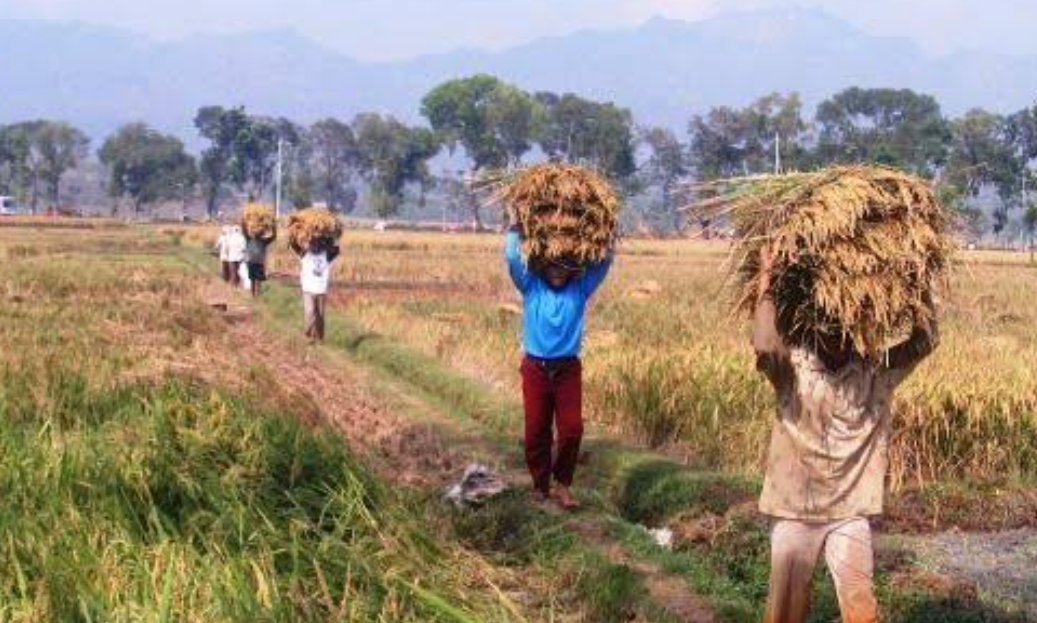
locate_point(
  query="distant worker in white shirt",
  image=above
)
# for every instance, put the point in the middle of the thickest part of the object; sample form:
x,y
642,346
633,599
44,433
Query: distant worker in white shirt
x,y
231,248
315,278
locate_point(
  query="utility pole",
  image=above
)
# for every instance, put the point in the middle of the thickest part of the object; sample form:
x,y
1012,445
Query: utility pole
x,y
280,172
777,154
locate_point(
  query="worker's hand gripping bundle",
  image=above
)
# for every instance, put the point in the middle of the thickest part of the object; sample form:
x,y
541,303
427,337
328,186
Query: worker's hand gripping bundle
x,y
858,251
566,213
313,225
259,221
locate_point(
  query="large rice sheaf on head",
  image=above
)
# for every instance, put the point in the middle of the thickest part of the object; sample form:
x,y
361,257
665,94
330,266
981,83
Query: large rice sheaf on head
x,y
566,213
313,225
259,221
862,251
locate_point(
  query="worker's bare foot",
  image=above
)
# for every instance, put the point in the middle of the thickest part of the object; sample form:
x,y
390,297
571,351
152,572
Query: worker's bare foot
x,y
540,497
565,498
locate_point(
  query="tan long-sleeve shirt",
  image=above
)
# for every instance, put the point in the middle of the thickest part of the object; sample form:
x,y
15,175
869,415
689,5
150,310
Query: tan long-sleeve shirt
x,y
828,452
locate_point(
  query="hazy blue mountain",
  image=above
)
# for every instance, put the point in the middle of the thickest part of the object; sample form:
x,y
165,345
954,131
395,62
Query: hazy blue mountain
x,y
665,70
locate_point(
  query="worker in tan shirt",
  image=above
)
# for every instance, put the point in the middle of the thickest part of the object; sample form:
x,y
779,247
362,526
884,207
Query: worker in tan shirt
x,y
827,461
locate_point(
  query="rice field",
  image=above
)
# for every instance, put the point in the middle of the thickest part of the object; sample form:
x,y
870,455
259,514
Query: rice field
x,y
141,485
666,364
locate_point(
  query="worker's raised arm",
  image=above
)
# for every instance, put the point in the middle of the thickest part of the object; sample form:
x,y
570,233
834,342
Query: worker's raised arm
x,y
904,357
767,339
772,351
517,267
596,274
333,252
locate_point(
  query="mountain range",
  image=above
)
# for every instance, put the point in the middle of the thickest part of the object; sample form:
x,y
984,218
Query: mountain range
x,y
664,70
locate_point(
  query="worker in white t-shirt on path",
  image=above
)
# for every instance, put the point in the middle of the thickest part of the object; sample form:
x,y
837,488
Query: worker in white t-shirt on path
x,y
315,277
234,248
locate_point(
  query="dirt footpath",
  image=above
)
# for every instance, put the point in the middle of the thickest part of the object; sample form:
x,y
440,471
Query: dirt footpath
x,y
401,450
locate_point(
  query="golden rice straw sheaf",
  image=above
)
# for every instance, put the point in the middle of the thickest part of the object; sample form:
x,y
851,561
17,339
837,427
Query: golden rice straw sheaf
x,y
313,225
859,250
566,213
259,221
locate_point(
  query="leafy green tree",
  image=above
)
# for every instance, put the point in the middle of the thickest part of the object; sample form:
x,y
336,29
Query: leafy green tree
x,y
493,121
728,142
392,155
667,165
16,177
146,166
336,158
221,127
597,134
1030,226
1021,132
983,155
59,148
887,126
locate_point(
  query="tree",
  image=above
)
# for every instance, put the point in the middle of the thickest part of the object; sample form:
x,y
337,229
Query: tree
x,y
983,155
35,155
146,166
887,126
597,134
254,153
666,166
220,127
60,147
728,142
1030,225
15,174
336,157
493,121
392,155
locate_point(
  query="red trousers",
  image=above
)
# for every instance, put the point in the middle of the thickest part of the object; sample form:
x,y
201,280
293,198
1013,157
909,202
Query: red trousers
x,y
552,395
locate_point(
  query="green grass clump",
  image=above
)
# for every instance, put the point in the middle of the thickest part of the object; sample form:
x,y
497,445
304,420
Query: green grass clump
x,y
654,491
188,504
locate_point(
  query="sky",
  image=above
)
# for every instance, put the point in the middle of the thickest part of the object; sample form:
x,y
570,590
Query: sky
x,y
396,29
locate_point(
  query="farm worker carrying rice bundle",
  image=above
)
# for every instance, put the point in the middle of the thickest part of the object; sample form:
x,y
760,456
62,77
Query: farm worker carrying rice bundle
x,y
559,249
313,235
840,270
259,225
221,249
231,248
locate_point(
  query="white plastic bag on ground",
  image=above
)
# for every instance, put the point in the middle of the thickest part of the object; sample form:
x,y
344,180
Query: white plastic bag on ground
x,y
478,485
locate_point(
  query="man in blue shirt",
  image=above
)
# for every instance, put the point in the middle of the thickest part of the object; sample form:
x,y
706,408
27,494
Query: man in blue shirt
x,y
554,300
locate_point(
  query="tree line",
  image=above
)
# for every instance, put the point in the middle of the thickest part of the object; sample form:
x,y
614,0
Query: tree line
x,y
498,125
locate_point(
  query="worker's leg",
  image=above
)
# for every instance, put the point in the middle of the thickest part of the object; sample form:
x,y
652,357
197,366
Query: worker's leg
x,y
538,403
569,420
795,547
320,303
226,271
309,314
848,552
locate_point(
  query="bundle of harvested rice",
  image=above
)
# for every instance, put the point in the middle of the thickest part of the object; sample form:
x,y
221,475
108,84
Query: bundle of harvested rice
x,y
313,225
566,213
859,251
259,221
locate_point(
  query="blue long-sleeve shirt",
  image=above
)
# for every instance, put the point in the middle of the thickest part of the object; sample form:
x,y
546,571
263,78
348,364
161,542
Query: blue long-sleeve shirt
x,y
552,320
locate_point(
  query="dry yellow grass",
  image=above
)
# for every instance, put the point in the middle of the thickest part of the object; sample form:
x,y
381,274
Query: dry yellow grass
x,y
566,212
859,251
258,220
311,225
672,366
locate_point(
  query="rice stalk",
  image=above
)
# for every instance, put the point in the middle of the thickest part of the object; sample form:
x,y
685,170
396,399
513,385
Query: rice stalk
x,y
860,251
565,212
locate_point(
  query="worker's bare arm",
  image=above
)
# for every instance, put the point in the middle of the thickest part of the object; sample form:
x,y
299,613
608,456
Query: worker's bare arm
x,y
772,353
